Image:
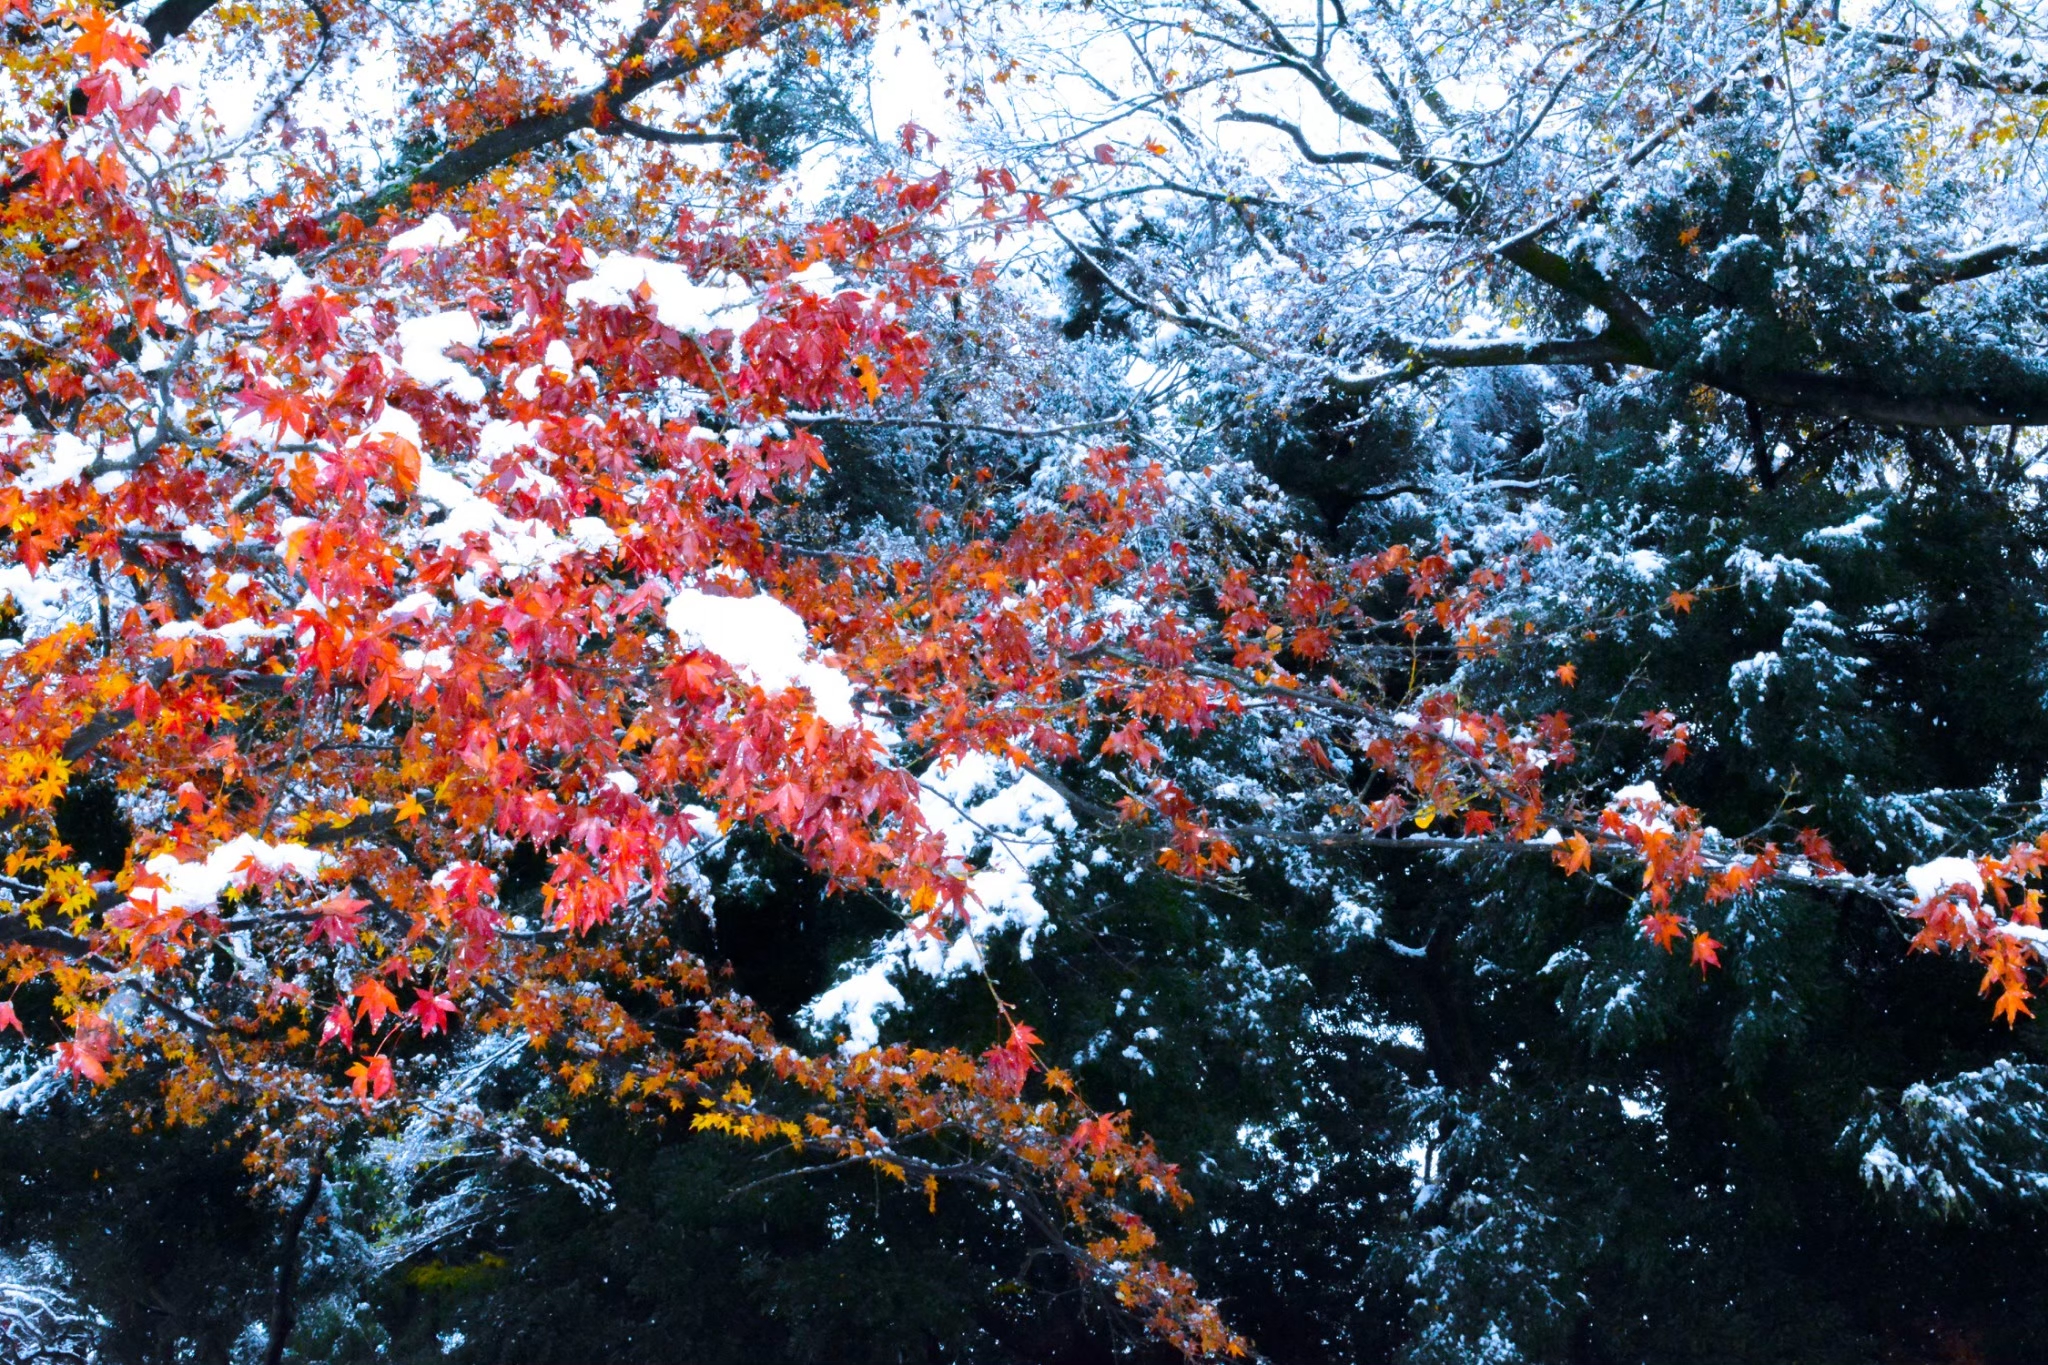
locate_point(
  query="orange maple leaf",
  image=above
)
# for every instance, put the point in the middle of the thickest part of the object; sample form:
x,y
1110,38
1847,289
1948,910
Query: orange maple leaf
x,y
371,1079
1706,952
1573,855
2012,1003
377,1000
870,381
1663,928
103,38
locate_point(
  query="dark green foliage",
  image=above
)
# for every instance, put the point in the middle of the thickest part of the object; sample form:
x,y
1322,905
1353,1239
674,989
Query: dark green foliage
x,y
798,102
775,929
1093,308
91,822
156,1228
1431,1108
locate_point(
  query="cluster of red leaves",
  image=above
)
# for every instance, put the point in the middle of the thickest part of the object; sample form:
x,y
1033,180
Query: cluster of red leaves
x,y
370,614
382,558
1995,920
1080,640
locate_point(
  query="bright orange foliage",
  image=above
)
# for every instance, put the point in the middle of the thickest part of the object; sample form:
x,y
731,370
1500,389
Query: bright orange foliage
x,y
389,527
395,525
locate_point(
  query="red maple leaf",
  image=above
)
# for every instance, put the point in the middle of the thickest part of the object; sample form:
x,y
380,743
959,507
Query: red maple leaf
x,y
339,917
87,1053
432,1011
1010,1062
1819,852
371,1079
1098,1133
339,1027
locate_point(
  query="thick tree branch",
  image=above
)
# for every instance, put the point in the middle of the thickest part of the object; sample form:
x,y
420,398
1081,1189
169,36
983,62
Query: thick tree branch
x,y
1911,294
981,428
20,931
1310,154
593,111
170,19
284,1314
619,124
2019,398
1420,357
2022,401
106,724
1961,62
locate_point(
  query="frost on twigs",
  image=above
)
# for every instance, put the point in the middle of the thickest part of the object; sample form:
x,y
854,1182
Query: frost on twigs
x,y
39,1321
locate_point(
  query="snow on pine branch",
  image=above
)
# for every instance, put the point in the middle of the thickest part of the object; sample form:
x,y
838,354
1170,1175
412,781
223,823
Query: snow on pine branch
x,y
986,808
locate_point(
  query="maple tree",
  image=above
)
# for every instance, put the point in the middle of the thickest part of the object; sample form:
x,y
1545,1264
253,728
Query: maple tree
x,y
365,620
386,532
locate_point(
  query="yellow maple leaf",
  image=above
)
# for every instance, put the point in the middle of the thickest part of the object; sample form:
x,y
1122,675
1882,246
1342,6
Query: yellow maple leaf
x,y
870,381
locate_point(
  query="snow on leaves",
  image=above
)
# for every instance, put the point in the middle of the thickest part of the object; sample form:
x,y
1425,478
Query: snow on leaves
x,y
413,545
406,547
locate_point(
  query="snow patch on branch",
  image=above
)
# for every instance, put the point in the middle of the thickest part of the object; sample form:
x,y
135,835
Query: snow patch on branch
x,y
241,636
1748,677
1855,532
230,867
434,232
53,466
858,1004
517,545
980,804
1932,879
979,800
27,1081
38,1320
1762,575
1640,793
60,595
422,352
764,642
1646,565
680,302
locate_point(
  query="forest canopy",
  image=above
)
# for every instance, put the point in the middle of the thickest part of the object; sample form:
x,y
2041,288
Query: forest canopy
x,y
1022,681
